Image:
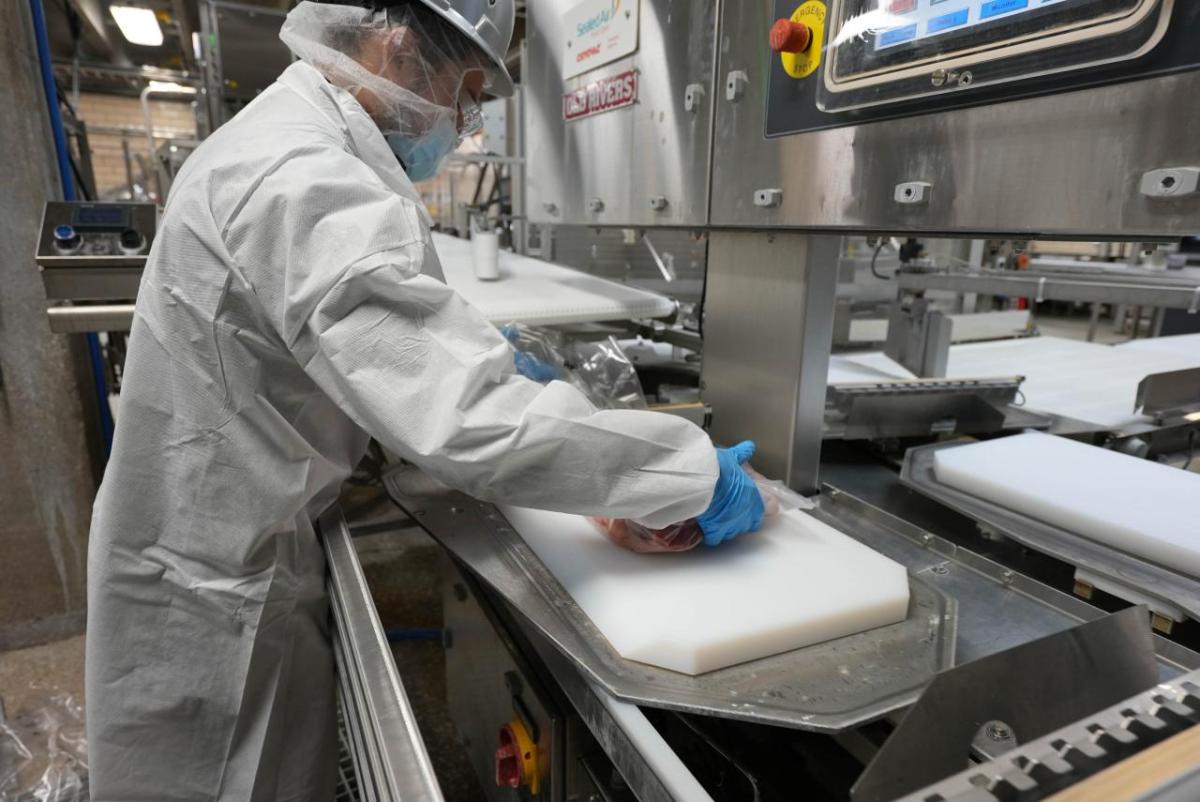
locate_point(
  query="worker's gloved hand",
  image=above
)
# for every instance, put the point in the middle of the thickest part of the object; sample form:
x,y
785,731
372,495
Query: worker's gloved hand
x,y
527,364
533,368
736,506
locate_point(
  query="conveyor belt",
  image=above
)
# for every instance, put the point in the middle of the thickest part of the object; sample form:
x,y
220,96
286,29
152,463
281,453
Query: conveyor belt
x,y
1037,769
1091,384
540,293
1124,575
806,688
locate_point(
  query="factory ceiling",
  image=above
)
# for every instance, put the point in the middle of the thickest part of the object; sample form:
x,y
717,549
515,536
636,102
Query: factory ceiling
x,y
91,53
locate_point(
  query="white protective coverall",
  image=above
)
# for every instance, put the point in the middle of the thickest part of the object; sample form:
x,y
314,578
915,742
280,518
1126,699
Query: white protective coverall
x,y
291,308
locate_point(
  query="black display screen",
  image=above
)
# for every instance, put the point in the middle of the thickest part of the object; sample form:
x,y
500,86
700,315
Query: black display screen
x,y
883,34
100,217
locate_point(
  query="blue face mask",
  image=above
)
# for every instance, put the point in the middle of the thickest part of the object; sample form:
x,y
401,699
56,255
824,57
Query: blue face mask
x,y
422,156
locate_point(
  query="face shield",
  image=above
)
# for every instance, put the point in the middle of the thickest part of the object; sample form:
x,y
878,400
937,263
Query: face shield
x,y
418,78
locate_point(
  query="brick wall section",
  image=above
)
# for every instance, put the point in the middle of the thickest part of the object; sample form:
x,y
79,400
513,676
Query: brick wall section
x,y
171,119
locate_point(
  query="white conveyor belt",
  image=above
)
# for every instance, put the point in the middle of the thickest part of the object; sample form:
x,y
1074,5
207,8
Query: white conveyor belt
x,y
1133,505
1185,346
1089,382
539,293
796,582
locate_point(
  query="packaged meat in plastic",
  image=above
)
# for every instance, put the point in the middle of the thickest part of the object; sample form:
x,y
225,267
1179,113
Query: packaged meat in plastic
x,y
635,537
686,535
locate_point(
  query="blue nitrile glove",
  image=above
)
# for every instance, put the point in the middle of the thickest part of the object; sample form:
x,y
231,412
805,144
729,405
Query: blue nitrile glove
x,y
533,368
526,364
737,505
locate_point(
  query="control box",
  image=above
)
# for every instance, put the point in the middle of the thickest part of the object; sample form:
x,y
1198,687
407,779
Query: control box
x,y
844,62
78,234
94,251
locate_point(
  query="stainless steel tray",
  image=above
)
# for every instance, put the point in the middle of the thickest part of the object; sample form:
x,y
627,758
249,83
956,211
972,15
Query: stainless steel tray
x,y
1133,578
825,687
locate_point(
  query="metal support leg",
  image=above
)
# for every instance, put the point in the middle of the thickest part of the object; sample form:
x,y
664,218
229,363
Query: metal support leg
x,y
1093,322
768,328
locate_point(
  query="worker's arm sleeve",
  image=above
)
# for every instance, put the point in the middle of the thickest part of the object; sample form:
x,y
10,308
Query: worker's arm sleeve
x,y
424,373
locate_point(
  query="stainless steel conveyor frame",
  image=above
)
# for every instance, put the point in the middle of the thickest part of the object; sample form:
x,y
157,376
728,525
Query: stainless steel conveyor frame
x,y
389,756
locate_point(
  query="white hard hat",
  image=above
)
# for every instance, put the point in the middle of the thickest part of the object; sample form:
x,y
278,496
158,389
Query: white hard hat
x,y
487,24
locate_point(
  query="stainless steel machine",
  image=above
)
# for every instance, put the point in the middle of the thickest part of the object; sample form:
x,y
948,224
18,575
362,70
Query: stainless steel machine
x,y
771,130
765,132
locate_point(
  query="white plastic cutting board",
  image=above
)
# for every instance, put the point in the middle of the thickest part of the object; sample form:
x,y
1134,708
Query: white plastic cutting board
x,y
1134,505
539,293
794,583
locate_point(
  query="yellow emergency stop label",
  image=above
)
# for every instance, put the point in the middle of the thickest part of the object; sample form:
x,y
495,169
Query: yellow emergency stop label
x,y
801,65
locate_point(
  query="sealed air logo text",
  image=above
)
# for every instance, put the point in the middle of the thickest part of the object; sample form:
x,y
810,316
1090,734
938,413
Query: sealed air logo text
x,y
598,32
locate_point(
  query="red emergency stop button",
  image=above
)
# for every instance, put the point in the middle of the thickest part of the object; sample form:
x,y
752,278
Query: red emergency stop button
x,y
790,37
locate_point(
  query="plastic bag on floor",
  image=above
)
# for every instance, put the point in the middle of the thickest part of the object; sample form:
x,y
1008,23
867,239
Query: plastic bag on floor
x,y
43,752
777,497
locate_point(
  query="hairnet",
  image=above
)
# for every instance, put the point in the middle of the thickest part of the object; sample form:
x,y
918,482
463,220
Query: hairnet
x,y
419,80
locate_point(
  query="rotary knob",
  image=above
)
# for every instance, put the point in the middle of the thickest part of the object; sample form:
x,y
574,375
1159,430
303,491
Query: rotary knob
x,y
131,240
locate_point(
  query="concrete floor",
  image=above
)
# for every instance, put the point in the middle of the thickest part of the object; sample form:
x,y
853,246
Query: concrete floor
x,y
41,697
404,572
28,675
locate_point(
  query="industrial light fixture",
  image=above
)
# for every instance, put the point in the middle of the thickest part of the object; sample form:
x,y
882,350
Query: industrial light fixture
x,y
139,26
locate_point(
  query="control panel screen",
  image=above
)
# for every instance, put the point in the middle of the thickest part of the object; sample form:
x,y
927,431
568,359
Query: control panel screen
x,y
882,59
885,35
100,217
921,19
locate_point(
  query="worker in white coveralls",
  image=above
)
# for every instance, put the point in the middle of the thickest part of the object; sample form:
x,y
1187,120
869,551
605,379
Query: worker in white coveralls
x,y
292,308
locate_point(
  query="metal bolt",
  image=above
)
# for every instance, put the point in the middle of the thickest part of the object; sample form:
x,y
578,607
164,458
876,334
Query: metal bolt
x,y
1008,577
658,202
768,198
940,569
926,539
735,85
966,79
596,205
998,731
911,192
1171,182
549,207
455,510
938,78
